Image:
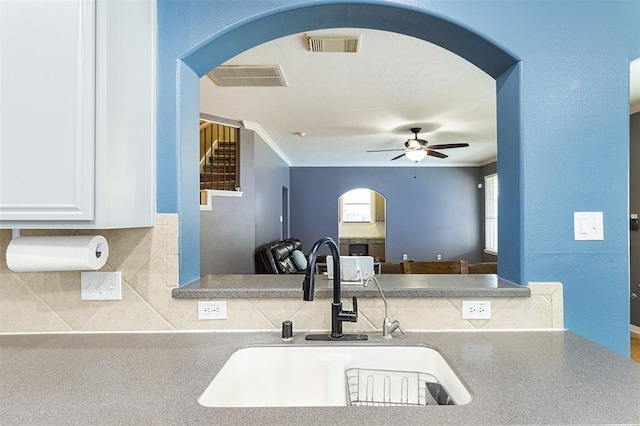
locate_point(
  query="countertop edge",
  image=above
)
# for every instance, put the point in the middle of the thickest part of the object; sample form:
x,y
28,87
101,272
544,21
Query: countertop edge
x,y
277,286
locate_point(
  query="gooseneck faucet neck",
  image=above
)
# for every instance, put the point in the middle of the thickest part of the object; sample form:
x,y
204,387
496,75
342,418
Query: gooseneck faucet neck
x,y
338,315
308,285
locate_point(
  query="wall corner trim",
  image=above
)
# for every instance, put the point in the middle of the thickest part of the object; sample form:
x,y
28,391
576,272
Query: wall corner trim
x,y
265,136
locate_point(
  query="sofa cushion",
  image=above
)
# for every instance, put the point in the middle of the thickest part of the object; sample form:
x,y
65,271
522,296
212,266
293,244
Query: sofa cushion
x,y
299,259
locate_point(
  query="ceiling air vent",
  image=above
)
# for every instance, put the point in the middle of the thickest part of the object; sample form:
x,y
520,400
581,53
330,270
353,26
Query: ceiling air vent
x,y
248,76
349,44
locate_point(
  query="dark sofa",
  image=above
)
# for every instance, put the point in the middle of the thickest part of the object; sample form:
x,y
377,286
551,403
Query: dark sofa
x,y
277,257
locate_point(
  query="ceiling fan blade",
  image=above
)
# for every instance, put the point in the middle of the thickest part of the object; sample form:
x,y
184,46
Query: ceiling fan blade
x,y
399,156
437,154
449,145
385,150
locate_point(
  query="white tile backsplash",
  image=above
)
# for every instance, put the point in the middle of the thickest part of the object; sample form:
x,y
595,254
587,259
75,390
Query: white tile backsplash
x,y
149,258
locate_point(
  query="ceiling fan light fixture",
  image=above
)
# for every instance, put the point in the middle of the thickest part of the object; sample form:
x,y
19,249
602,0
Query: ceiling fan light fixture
x,y
416,155
412,143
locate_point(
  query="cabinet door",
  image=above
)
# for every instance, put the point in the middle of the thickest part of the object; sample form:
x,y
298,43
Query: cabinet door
x,y
47,109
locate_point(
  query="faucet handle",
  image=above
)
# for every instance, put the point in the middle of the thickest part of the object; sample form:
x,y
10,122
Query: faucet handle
x,y
350,316
355,307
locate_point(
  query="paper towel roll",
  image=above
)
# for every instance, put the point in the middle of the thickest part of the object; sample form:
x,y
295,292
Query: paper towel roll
x,y
72,253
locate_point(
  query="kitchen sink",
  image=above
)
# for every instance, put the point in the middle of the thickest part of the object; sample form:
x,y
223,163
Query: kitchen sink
x,y
303,376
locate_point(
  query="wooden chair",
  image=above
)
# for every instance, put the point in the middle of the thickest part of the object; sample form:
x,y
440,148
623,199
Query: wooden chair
x,y
483,268
450,267
391,268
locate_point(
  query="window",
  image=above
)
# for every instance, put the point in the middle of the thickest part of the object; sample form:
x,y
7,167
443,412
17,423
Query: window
x,y
356,205
491,214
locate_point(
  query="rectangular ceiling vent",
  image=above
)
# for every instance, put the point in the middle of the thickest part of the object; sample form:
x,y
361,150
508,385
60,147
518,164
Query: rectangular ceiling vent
x,y
347,44
248,76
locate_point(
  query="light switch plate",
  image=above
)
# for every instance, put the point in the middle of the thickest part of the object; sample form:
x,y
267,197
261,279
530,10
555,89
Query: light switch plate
x,y
588,226
101,285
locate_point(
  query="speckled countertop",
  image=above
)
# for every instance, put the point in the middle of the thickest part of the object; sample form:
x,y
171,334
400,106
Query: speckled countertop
x,y
417,285
546,377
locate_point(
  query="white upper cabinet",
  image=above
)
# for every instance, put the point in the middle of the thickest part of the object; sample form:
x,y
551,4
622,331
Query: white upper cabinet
x,y
77,113
47,80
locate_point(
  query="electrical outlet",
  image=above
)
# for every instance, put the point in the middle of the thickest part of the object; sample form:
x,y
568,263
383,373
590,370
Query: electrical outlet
x,y
476,309
101,285
212,310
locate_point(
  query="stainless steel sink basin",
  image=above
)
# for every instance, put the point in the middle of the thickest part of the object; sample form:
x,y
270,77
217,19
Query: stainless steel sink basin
x,y
299,376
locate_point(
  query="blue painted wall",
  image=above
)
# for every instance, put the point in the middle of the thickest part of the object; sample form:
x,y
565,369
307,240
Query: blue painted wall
x,y
562,73
430,210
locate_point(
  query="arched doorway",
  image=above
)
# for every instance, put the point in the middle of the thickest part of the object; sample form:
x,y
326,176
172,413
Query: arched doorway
x,y
362,229
216,46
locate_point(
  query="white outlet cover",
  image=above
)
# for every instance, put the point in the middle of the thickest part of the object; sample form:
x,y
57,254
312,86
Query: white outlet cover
x,y
101,285
476,309
212,310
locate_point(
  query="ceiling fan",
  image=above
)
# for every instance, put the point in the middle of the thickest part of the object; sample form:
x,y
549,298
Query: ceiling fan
x,y
416,149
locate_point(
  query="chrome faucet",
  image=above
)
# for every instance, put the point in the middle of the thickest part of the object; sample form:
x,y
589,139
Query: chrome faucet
x,y
338,316
388,326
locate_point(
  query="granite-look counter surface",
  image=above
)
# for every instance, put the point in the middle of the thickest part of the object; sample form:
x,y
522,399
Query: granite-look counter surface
x,y
550,377
417,285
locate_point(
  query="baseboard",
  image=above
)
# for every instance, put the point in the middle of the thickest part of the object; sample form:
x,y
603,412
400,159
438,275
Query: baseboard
x,y
634,328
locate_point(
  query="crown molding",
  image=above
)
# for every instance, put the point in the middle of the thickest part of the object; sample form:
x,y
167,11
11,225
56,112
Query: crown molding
x,y
249,125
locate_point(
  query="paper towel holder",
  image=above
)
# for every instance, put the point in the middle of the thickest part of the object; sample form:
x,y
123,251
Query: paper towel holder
x,y
56,253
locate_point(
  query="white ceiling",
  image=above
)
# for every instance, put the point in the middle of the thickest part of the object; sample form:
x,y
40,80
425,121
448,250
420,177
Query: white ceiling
x,y
348,103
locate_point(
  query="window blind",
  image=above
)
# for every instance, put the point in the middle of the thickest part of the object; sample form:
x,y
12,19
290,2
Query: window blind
x,y
491,213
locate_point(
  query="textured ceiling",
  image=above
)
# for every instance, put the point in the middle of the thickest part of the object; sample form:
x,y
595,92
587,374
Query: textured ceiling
x,y
348,103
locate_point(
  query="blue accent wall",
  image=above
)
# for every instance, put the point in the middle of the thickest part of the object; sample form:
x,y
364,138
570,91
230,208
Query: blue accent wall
x,y
430,210
567,96
510,165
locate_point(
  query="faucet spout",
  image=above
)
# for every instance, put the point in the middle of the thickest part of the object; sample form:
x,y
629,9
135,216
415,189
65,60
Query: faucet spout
x,y
388,326
338,315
